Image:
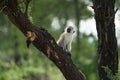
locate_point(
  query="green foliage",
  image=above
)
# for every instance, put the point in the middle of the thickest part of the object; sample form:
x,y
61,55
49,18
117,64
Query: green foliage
x,y
110,75
118,3
63,9
85,58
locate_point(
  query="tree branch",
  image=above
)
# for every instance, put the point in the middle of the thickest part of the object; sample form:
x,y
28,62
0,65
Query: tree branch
x,y
26,6
43,41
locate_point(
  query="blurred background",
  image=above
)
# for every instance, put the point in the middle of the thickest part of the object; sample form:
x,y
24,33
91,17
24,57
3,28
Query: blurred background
x,y
17,62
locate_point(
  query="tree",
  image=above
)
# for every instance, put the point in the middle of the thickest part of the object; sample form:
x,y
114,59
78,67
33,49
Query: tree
x,y
42,40
107,43
77,22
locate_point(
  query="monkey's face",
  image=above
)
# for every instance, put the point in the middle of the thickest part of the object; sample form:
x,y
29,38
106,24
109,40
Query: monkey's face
x,y
70,30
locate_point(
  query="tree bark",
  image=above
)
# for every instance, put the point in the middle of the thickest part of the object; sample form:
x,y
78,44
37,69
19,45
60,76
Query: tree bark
x,y
43,41
107,43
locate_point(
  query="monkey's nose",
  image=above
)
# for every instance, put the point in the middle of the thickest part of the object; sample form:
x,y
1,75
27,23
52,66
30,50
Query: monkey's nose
x,y
73,31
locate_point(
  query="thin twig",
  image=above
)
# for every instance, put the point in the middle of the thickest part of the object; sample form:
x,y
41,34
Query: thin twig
x,y
2,9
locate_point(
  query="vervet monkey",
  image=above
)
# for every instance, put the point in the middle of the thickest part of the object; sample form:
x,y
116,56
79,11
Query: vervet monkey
x,y
66,38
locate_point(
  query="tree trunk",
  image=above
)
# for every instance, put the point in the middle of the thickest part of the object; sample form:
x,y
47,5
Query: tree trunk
x,y
77,15
43,41
107,43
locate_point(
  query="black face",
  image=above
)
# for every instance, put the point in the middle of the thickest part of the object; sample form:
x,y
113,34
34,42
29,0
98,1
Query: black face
x,y
69,30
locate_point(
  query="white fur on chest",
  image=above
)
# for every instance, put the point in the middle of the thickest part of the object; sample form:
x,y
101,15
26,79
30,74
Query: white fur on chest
x,y
68,38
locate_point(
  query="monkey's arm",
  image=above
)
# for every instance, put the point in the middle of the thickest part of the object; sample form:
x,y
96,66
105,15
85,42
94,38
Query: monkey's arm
x,y
60,41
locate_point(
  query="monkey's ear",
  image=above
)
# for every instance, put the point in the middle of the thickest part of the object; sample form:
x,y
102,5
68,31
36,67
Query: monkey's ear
x,y
30,37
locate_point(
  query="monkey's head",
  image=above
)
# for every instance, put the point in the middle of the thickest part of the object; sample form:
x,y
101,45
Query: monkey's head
x,y
70,29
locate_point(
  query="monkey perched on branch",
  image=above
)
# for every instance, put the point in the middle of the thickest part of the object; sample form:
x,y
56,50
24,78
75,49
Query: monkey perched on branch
x,y
66,38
